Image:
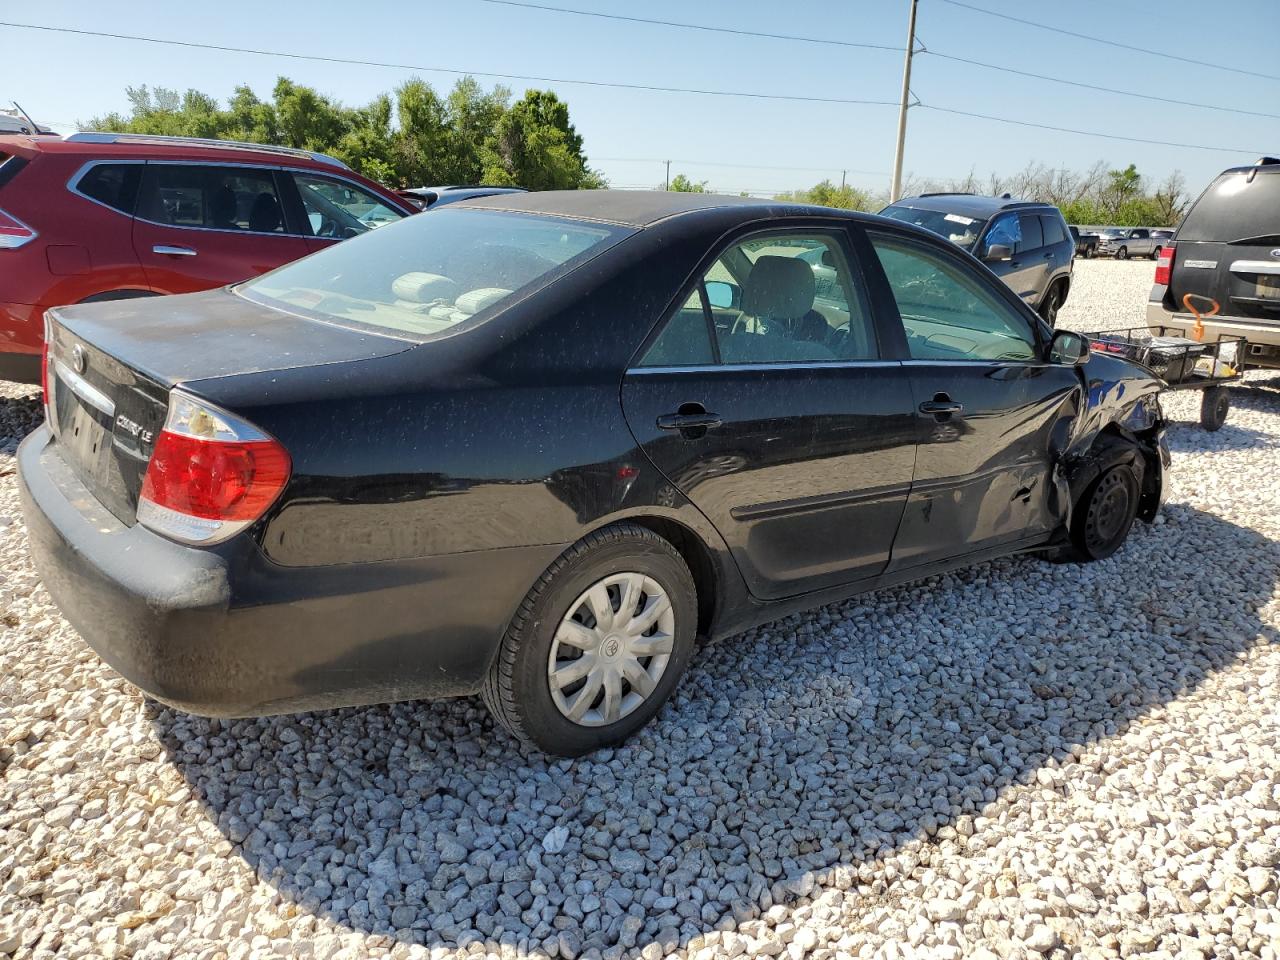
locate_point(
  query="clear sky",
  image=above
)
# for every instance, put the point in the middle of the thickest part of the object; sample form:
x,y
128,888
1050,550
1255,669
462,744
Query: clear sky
x,y
776,145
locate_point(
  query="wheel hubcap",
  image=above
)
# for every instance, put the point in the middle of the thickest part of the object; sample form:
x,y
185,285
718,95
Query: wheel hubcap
x,y
1108,511
611,649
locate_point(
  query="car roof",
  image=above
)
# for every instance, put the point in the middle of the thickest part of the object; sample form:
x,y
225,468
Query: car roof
x,y
636,208
110,146
968,204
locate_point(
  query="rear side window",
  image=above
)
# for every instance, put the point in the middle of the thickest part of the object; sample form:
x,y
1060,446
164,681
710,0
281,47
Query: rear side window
x,y
1053,232
211,197
114,184
1233,208
1032,236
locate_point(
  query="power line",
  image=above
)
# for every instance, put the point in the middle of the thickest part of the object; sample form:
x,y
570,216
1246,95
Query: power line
x,y
191,44
1110,43
696,26
1090,86
1085,133
744,166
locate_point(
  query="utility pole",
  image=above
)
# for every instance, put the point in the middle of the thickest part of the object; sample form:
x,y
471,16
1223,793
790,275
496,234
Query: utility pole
x,y
896,192
842,175
666,185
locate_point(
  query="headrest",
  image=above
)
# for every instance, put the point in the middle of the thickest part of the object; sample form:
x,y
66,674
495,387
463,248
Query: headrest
x,y
420,287
778,287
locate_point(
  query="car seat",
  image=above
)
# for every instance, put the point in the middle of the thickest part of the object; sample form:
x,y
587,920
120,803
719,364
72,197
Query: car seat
x,y
264,215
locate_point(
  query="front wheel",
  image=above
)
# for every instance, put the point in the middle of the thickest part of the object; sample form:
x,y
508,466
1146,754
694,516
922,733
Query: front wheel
x,y
1105,514
597,645
1122,253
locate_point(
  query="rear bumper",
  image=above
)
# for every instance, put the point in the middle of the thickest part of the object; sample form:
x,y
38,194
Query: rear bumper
x,y
225,632
1264,338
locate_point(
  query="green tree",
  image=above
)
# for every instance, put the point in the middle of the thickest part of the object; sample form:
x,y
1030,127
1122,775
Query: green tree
x,y
682,184
827,194
410,137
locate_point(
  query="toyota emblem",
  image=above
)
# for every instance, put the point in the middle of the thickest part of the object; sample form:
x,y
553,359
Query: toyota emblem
x,y
78,359
1276,253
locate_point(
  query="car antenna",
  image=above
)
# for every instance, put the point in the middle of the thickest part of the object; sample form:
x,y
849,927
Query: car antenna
x,y
35,129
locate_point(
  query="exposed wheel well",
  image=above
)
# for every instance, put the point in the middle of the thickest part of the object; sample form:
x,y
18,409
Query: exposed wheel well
x,y
118,295
696,556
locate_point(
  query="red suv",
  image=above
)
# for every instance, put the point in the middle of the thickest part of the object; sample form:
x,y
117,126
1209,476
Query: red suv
x,y
107,216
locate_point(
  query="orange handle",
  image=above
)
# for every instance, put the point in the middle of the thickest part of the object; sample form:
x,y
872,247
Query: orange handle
x,y
1198,330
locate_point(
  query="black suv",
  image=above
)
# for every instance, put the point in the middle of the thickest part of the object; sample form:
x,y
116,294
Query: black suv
x,y
1026,244
1227,250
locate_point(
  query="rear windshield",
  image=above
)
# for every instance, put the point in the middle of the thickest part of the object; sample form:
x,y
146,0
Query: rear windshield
x,y
432,271
961,230
1233,208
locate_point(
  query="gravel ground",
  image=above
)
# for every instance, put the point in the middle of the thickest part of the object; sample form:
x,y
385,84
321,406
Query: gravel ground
x,y
1019,760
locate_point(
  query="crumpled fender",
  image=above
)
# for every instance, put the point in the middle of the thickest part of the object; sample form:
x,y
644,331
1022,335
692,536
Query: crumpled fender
x,y
1121,403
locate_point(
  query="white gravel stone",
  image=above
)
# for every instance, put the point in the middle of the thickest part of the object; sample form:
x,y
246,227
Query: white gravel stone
x,y
1013,761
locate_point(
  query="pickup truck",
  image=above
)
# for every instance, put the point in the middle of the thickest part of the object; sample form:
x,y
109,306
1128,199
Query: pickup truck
x,y
1086,243
1123,243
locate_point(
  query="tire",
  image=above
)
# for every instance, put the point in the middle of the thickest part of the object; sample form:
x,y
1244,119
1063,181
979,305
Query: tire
x,y
1213,408
1122,253
1155,254
1104,515
1051,303
519,690
1088,253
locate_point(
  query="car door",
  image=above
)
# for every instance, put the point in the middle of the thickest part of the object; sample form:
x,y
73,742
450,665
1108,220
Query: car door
x,y
1018,271
991,413
765,399
1140,243
205,225
333,208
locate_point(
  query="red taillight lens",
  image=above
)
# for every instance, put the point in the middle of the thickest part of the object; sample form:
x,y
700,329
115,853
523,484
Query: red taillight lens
x,y
214,479
13,232
1164,266
210,475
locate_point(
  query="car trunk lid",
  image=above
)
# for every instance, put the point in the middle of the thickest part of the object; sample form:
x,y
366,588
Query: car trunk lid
x,y
112,365
1228,248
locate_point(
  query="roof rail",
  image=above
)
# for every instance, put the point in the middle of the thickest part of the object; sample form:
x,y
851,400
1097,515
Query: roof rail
x,y
949,193
93,136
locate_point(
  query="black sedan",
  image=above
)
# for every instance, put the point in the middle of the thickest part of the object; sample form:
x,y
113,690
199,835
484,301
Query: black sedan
x,y
532,446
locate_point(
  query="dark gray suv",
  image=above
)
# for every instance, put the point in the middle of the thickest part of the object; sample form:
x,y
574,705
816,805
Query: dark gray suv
x,y
1026,244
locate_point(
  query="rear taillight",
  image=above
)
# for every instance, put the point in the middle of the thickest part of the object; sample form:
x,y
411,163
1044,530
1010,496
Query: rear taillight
x,y
13,232
211,474
1164,265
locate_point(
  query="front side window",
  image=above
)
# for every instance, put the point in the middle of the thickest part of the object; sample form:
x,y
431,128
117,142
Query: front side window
x,y
1006,231
211,197
115,184
948,313
338,209
426,275
774,298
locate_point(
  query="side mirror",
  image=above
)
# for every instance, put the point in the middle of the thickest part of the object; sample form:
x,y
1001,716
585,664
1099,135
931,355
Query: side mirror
x,y
1068,348
998,251
721,295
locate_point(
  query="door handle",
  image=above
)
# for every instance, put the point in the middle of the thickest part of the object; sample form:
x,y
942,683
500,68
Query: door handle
x,y
941,406
687,421
165,250
1049,255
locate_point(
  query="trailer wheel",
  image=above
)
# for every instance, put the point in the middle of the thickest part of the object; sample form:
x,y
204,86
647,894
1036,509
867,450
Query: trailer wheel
x,y
1214,407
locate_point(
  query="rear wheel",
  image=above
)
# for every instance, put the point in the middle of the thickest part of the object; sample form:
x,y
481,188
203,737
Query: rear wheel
x,y
1105,514
1088,253
597,645
1122,253
1155,254
1051,303
1213,408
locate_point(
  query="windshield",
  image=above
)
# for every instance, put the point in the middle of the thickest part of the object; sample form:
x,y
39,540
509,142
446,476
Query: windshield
x,y
429,273
1237,206
960,230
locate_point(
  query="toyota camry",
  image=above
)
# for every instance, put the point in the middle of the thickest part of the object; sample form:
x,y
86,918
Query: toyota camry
x,y
534,446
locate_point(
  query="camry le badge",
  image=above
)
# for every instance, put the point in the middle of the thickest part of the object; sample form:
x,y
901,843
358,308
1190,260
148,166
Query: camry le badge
x,y
78,359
